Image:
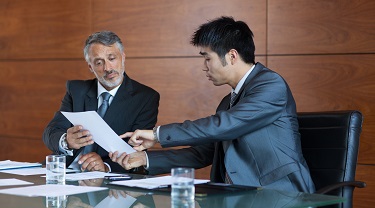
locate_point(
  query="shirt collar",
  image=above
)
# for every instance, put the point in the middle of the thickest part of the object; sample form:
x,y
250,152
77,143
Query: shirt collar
x,y
242,81
101,89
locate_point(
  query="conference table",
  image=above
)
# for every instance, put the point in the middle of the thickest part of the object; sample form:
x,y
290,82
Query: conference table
x,y
122,196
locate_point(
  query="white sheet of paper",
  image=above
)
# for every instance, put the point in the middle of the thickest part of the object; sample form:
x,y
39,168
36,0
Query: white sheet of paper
x,y
120,202
26,171
8,164
30,171
101,133
50,190
13,182
152,183
87,175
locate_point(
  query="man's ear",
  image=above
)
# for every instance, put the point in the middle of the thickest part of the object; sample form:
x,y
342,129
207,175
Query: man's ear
x,y
90,68
233,55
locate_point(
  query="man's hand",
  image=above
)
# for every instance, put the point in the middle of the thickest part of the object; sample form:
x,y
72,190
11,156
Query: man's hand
x,y
74,202
116,193
130,161
140,139
77,138
91,182
92,162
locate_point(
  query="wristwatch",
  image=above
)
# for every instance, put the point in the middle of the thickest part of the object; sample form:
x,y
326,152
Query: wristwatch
x,y
155,132
64,144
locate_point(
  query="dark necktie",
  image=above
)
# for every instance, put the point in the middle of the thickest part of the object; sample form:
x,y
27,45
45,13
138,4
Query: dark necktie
x,y
104,106
232,96
101,111
227,143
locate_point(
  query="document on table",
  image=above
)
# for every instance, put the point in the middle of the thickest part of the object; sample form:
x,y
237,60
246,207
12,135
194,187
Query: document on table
x,y
50,190
8,164
116,202
13,182
88,175
152,183
101,133
31,171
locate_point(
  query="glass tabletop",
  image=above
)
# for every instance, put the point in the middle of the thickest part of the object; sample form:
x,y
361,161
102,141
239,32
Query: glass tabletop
x,y
122,196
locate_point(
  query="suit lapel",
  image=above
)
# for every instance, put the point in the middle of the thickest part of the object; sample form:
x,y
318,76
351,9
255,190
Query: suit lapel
x,y
258,67
91,100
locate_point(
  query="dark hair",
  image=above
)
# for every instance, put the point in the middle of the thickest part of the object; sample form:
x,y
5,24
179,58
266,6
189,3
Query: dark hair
x,y
223,34
106,38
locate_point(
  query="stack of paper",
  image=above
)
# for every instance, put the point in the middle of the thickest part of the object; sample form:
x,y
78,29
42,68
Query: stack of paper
x,y
153,183
8,164
50,190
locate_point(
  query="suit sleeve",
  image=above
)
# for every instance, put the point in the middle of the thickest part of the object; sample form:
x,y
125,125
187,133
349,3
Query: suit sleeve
x,y
262,103
161,162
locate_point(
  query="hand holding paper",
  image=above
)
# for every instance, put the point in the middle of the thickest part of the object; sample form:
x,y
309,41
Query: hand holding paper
x,y
101,133
141,139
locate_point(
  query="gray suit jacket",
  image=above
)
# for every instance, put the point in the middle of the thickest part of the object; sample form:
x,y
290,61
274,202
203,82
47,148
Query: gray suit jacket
x,y
135,106
262,126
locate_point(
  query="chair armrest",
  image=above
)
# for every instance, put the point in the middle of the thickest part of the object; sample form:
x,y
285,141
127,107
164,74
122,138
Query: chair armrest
x,y
358,184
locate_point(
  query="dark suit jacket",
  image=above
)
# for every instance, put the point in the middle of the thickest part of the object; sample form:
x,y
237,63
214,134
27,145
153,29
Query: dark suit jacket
x,y
262,125
135,106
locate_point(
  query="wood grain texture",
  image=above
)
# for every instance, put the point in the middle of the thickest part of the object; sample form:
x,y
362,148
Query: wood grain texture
x,y
22,149
31,92
43,28
364,197
337,82
164,28
320,26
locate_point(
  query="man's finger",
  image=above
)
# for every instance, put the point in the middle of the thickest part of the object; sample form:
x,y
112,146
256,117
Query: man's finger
x,y
126,135
74,129
120,159
139,148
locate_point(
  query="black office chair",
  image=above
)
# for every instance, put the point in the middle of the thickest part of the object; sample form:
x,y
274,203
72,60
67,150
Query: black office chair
x,y
330,143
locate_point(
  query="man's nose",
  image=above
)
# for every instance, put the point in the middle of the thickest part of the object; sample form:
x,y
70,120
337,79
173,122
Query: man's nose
x,y
107,66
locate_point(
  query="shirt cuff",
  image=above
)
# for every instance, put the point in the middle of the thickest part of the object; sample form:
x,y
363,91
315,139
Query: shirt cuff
x,y
157,133
62,150
109,167
147,164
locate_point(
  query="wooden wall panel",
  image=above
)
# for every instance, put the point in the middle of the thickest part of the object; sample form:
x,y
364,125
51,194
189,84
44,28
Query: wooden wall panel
x,y
22,149
320,26
164,28
337,82
43,28
31,92
364,197
329,82
367,144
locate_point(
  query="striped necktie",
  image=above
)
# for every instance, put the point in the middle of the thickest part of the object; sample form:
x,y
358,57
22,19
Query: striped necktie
x,y
101,111
232,96
227,143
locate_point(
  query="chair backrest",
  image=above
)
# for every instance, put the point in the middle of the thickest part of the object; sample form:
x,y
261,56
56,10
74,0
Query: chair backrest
x,y
330,143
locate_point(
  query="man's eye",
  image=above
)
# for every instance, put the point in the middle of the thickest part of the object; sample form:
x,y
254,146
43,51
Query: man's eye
x,y
112,58
98,63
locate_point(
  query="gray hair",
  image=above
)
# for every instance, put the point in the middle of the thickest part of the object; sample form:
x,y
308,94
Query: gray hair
x,y
106,38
